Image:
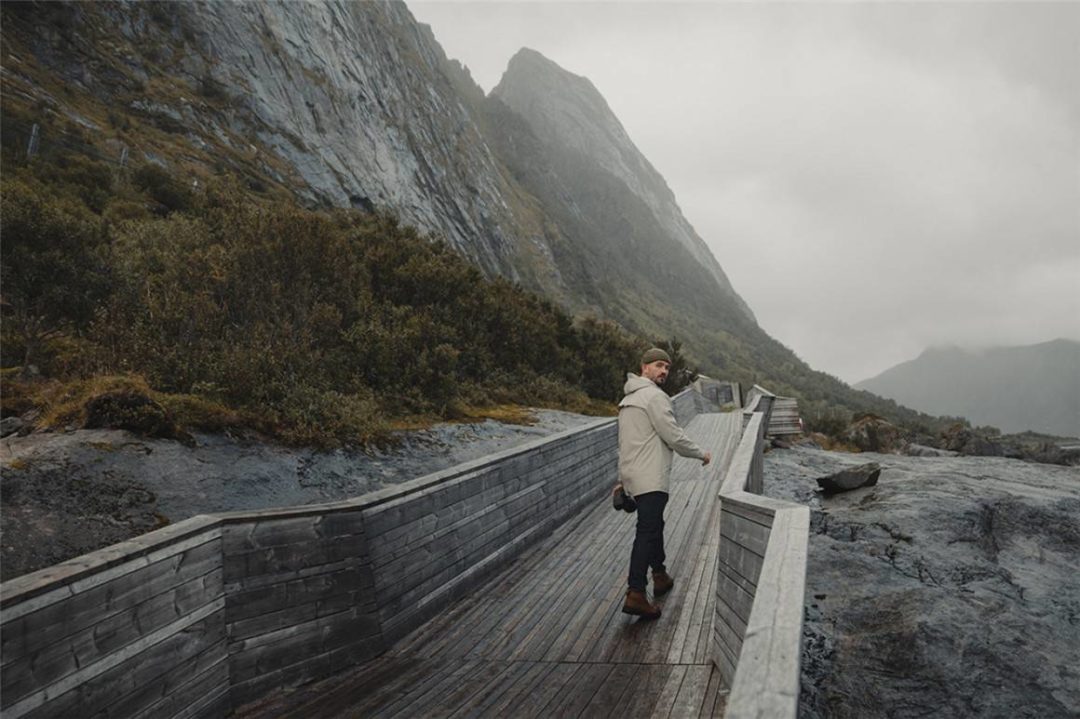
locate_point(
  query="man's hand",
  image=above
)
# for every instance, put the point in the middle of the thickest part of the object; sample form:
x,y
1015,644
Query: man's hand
x,y
707,459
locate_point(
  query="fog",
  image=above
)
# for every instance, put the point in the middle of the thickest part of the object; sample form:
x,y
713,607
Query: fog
x,y
874,178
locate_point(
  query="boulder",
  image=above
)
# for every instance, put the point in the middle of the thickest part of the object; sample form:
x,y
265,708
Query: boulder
x,y
864,475
922,450
10,425
870,433
964,440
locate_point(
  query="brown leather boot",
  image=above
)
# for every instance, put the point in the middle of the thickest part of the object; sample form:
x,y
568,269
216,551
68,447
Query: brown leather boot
x,y
662,582
638,604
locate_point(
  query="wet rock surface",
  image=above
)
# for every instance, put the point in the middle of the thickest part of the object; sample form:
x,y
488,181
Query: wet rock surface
x,y
951,588
65,494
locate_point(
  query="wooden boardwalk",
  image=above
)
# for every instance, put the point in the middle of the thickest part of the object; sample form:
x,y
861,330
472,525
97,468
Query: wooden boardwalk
x,y
546,637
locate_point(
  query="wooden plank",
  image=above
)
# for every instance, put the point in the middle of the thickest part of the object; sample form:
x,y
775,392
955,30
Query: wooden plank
x,y
729,624
461,698
288,558
702,652
362,684
274,532
695,597
739,561
37,590
398,620
604,601
724,662
666,700
734,596
438,681
754,514
54,662
178,689
354,582
259,655
555,685
648,686
510,703
749,535
715,696
578,697
767,681
97,685
483,700
691,694
617,684
582,581
31,632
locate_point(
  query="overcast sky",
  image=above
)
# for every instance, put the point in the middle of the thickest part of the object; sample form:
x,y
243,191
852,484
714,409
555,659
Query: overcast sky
x,y
874,178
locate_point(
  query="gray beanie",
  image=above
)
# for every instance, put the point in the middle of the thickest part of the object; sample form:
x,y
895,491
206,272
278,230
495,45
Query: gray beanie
x,y
655,354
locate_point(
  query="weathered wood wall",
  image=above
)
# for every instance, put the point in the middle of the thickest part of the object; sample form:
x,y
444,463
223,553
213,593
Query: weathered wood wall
x,y
299,596
214,611
761,580
137,627
430,546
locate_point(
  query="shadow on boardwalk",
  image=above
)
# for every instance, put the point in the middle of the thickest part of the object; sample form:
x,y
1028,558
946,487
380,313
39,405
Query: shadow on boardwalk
x,y
545,637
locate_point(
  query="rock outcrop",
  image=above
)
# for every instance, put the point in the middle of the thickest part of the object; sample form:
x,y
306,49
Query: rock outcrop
x,y
948,589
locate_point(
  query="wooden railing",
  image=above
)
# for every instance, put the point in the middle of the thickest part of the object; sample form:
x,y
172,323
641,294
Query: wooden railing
x,y
212,612
761,580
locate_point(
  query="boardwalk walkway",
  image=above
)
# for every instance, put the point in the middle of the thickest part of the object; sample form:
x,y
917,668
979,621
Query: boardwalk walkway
x,y
545,637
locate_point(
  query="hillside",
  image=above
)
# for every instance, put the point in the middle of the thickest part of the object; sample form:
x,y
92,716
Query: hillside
x,y
355,105
1034,387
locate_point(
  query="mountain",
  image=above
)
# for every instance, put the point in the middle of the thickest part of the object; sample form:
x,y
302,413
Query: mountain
x,y
1034,387
343,104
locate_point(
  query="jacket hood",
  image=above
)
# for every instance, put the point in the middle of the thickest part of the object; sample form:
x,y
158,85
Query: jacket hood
x,y
634,383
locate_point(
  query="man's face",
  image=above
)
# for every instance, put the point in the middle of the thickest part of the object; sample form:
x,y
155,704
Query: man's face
x,y
656,371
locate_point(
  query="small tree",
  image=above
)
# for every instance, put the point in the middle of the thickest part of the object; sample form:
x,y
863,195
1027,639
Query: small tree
x,y
681,374
53,274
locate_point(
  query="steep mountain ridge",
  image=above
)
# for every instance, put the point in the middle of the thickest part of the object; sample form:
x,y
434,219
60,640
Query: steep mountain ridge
x,y
345,103
1034,387
569,114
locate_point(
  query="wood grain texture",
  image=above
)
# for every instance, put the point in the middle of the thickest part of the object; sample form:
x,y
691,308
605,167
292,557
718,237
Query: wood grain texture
x,y
545,635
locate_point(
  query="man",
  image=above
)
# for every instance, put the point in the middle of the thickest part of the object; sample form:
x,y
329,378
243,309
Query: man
x,y
647,436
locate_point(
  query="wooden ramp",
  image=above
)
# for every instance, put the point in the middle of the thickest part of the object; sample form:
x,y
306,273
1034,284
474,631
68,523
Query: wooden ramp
x,y
546,637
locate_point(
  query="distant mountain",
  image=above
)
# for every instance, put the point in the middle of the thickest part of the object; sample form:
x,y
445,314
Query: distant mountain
x,y
1035,387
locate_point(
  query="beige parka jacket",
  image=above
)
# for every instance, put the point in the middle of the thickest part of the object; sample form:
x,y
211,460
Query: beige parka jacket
x,y
647,435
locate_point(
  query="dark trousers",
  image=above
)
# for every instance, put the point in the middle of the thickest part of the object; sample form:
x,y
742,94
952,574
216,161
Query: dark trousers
x,y
649,541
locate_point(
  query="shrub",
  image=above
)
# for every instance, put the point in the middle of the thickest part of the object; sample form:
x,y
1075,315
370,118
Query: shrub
x,y
170,193
53,268
317,326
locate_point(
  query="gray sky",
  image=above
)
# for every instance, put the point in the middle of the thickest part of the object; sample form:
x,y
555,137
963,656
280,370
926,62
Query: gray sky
x,y
902,175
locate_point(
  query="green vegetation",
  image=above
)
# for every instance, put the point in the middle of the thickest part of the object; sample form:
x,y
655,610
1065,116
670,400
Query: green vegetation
x,y
232,312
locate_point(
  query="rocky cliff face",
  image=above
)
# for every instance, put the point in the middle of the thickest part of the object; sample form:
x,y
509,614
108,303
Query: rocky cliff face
x,y
349,103
344,103
569,116
354,103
